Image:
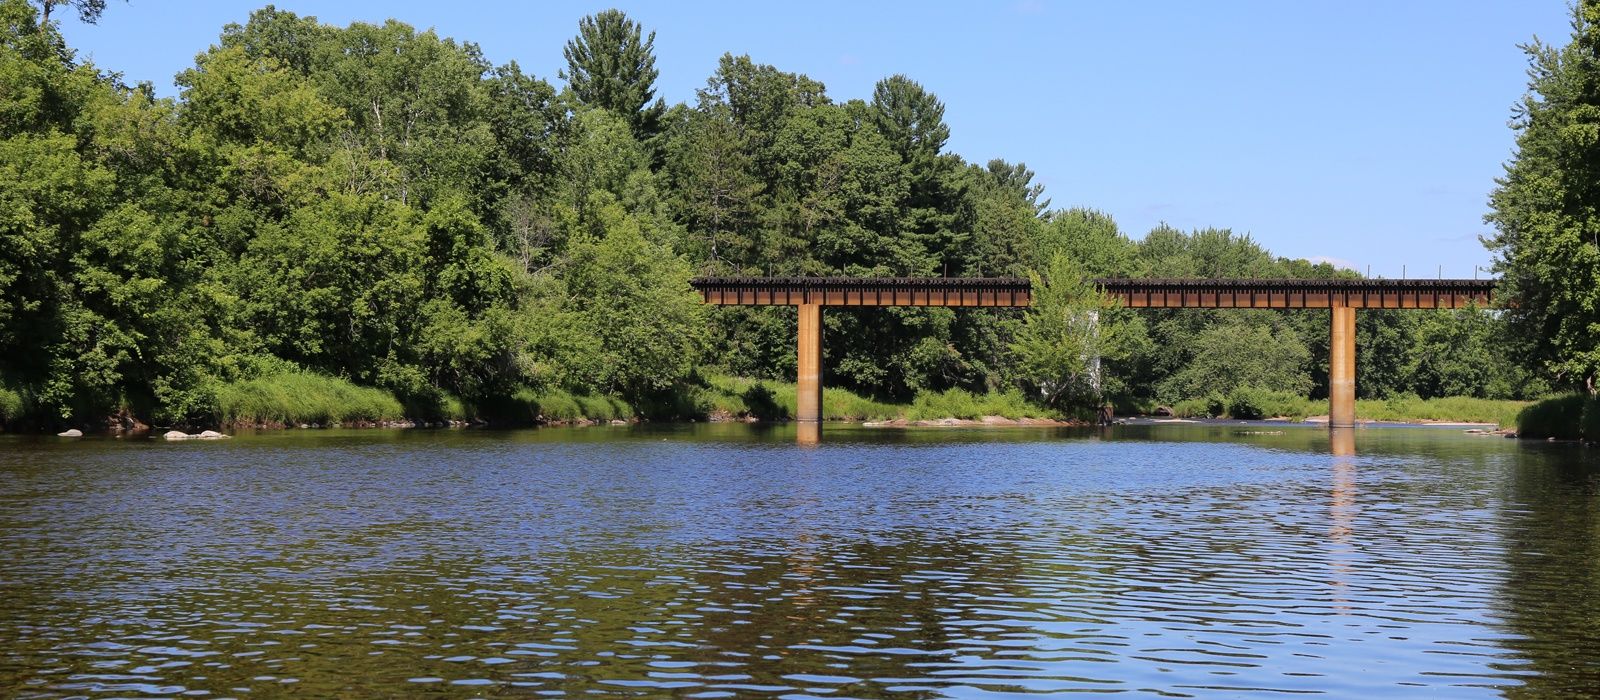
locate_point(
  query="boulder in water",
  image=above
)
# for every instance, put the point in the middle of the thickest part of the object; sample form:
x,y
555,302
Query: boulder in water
x,y
211,435
176,435
71,433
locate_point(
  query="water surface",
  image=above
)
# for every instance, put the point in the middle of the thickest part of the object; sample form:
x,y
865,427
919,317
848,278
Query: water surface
x,y
724,560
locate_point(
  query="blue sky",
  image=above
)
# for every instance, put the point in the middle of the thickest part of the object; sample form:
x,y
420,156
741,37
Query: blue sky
x,y
1368,133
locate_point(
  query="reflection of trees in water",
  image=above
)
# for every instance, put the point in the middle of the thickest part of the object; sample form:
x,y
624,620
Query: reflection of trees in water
x,y
731,616
1551,599
869,609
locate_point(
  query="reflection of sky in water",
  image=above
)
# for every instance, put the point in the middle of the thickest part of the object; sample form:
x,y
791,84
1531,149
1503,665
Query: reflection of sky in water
x,y
724,559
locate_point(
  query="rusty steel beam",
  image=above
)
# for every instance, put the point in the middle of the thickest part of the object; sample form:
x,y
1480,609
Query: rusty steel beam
x,y
865,291
1297,293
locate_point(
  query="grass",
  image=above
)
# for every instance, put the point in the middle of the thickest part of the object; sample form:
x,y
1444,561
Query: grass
x,y
1250,403
527,407
303,397
1256,403
770,400
955,403
1460,409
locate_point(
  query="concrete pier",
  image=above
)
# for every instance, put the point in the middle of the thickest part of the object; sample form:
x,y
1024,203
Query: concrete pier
x,y
808,407
1342,369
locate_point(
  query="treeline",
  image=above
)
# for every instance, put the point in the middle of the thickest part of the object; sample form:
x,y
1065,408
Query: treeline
x,y
385,206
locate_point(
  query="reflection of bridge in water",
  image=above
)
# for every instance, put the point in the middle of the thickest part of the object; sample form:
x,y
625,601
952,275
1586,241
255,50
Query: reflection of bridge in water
x,y
1342,297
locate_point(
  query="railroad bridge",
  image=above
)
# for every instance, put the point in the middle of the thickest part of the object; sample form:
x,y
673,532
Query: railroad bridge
x,y
1342,296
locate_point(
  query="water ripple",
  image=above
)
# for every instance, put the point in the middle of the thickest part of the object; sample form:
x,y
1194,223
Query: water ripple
x,y
722,561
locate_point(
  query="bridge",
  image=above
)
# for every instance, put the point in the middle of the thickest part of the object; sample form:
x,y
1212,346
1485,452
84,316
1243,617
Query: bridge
x,y
1342,296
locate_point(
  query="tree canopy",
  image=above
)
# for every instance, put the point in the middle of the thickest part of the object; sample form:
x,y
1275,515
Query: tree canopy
x,y
384,205
1547,206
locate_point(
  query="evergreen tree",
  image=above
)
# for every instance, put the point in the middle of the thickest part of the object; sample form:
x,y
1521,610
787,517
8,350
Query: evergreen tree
x,y
611,65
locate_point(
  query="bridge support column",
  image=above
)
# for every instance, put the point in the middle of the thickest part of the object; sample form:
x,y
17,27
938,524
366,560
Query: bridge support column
x,y
1342,369
808,409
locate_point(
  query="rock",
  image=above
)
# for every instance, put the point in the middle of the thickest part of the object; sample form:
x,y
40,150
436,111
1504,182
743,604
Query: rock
x,y
211,435
1164,411
176,435
71,433
618,421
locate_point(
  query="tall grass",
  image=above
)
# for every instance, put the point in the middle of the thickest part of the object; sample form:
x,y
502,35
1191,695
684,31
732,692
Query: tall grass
x,y
1251,403
770,400
528,407
1247,403
303,397
1461,409
956,403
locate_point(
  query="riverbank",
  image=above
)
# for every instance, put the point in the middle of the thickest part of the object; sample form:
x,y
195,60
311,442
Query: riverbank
x,y
307,400
1254,405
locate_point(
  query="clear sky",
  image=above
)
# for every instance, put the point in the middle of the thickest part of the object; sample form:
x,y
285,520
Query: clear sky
x,y
1367,133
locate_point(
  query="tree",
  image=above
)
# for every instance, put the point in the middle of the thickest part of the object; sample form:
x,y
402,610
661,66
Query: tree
x,y
1546,208
910,117
89,11
1061,341
1235,354
609,66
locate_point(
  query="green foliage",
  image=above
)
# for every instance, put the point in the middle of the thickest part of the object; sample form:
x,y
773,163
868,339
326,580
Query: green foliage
x,y
302,397
1547,206
1061,341
956,403
380,204
1249,403
1559,417
611,67
1464,409
1236,354
768,400
10,405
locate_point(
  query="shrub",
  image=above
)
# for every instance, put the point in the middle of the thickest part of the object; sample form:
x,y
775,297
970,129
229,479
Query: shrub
x,y
1251,403
1557,417
1247,402
10,405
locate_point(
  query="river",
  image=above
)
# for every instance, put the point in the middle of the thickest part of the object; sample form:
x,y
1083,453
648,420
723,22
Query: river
x,y
727,561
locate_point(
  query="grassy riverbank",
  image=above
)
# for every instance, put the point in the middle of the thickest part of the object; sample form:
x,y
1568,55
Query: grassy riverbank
x,y
311,399
303,398
735,397
1252,404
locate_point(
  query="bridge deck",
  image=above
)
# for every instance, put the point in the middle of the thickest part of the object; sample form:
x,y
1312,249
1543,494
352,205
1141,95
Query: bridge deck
x,y
1133,293
1297,293
865,291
